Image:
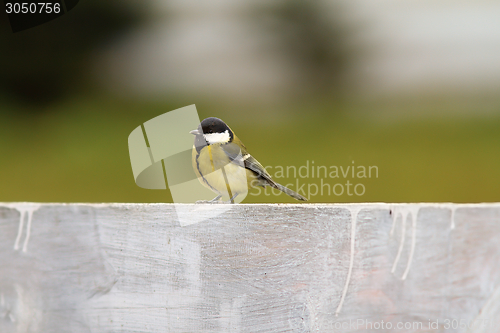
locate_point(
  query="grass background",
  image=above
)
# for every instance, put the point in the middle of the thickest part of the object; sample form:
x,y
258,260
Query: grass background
x,y
436,149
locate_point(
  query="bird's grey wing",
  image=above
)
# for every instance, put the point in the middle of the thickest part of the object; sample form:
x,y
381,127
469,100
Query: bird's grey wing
x,y
244,159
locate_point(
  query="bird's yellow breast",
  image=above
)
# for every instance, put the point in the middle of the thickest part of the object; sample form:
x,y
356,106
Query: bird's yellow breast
x,y
216,172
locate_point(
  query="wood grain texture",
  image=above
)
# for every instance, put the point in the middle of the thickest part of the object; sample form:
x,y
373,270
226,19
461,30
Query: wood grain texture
x,y
254,268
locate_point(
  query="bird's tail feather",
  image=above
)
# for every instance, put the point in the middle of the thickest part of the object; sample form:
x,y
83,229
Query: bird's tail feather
x,y
286,190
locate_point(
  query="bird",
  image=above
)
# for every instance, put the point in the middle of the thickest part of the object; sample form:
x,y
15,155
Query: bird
x,y
216,147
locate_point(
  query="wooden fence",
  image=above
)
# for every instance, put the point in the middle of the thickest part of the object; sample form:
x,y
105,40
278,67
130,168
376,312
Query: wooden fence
x,y
252,268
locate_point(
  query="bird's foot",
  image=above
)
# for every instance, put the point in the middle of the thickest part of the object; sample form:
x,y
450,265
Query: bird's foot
x,y
213,201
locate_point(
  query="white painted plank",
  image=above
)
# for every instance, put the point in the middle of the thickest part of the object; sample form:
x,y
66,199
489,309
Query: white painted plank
x,y
255,268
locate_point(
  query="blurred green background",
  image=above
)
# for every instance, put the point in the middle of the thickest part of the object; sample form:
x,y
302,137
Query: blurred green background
x,y
324,82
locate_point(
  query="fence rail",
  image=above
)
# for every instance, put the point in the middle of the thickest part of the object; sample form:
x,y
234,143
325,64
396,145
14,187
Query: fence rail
x,y
252,268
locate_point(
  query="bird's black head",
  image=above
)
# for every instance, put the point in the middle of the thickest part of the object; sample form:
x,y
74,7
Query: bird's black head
x,y
214,125
213,131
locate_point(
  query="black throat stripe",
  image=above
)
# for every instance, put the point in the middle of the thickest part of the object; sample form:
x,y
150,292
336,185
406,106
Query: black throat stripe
x,y
201,174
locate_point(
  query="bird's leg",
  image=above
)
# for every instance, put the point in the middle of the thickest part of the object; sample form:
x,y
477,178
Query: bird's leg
x,y
216,198
232,198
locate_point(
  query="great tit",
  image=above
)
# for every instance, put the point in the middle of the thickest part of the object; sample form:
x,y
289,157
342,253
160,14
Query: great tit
x,y
222,164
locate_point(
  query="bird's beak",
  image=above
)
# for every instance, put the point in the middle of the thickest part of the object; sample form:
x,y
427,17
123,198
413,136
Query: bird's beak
x,y
195,132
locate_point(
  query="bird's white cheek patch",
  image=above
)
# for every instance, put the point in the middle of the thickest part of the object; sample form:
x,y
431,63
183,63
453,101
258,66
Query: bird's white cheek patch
x,y
217,137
